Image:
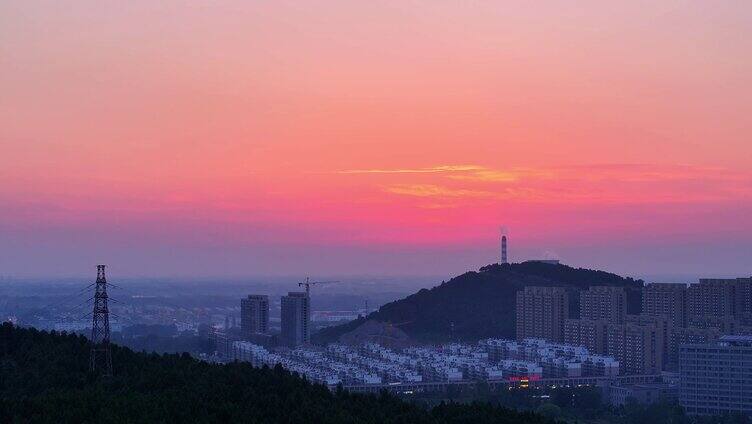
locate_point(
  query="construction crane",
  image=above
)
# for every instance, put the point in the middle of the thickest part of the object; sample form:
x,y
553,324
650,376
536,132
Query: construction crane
x,y
308,283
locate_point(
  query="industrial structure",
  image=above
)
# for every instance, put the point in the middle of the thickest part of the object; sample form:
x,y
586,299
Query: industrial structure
x,y
504,259
101,356
308,283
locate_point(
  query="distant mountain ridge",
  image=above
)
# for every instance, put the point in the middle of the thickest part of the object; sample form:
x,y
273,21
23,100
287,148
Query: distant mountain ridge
x,y
480,304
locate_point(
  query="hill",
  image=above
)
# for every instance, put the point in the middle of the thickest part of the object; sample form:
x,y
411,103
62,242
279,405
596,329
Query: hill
x,y
44,378
481,304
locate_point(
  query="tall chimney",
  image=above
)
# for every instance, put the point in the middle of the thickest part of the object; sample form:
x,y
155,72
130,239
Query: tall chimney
x,y
504,249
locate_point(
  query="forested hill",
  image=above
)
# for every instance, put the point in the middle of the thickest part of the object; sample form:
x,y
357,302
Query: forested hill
x,y
481,304
44,378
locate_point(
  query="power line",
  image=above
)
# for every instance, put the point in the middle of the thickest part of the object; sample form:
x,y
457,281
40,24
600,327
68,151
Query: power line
x,y
77,306
67,298
161,299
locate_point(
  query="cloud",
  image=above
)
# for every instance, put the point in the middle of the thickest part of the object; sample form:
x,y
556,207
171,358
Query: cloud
x,y
636,173
431,190
430,170
488,175
464,172
504,176
591,183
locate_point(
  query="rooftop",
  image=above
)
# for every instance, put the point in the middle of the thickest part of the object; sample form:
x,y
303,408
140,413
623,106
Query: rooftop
x,y
736,340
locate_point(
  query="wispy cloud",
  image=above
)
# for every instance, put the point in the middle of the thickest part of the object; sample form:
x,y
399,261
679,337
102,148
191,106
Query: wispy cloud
x,y
646,172
432,190
504,176
595,183
430,170
464,172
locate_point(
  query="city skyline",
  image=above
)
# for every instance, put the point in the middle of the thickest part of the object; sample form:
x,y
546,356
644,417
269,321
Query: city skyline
x,y
389,138
401,211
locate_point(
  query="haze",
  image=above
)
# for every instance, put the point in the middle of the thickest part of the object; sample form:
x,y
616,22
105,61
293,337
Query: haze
x,y
391,137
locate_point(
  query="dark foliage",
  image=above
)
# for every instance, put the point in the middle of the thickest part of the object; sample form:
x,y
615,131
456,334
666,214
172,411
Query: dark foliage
x,y
44,378
481,304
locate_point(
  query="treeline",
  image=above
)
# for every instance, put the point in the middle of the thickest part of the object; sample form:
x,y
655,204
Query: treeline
x,y
582,405
44,377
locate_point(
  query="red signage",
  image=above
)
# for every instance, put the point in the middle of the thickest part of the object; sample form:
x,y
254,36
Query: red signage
x,y
524,378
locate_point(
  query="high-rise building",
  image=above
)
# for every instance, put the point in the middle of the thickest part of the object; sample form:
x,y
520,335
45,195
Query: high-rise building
x,y
725,325
719,297
254,315
589,333
690,335
603,303
743,293
296,317
663,324
711,298
668,300
223,342
541,313
637,346
714,377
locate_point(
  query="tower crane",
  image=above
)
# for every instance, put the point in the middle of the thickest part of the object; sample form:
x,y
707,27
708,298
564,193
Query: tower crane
x,y
308,283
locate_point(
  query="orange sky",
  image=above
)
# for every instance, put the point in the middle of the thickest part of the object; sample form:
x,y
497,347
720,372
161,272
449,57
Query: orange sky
x,y
374,137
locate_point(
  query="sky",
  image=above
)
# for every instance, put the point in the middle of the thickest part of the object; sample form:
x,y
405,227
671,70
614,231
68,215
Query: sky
x,y
374,138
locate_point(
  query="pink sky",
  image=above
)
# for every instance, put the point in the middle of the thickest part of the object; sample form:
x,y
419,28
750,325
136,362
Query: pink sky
x,y
390,137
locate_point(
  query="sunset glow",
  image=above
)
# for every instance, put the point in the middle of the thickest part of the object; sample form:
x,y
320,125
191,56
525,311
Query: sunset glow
x,y
390,137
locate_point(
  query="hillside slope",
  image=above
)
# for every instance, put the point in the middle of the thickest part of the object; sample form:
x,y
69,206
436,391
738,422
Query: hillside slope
x,y
481,304
44,378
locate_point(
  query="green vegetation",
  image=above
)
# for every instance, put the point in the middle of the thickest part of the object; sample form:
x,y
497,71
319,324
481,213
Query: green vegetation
x,y
44,378
579,405
481,304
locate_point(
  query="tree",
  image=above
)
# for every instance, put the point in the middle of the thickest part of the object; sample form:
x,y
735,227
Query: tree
x,y
549,410
46,378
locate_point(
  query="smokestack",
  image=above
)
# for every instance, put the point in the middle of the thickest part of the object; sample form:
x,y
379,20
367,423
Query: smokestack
x,y
504,247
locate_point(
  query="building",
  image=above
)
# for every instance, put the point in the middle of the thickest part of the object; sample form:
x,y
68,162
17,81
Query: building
x,y
223,343
589,333
669,300
717,297
555,360
743,293
725,325
541,313
296,318
560,368
603,303
641,393
663,324
543,261
638,346
254,315
691,335
500,363
715,377
595,365
311,364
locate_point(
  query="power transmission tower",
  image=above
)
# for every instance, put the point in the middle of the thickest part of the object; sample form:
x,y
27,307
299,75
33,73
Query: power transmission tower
x,y
101,357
